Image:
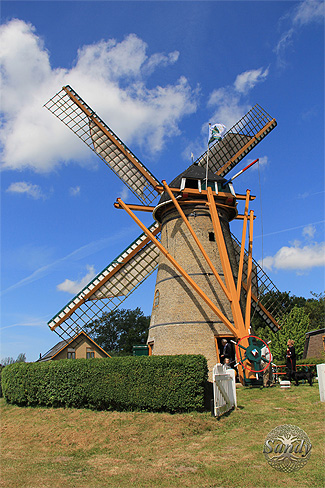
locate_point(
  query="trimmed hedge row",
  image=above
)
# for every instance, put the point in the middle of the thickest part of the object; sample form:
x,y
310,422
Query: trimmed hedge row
x,y
313,361
154,383
1,368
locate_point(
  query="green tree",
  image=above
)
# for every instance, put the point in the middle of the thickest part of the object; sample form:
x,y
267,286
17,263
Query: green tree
x,y
281,303
7,360
294,325
21,358
315,307
118,331
277,303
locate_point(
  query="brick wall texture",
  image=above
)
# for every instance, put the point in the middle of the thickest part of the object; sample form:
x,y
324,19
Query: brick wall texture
x,y
181,322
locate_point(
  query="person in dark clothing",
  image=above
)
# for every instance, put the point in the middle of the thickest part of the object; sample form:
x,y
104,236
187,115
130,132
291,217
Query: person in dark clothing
x,y
227,351
291,359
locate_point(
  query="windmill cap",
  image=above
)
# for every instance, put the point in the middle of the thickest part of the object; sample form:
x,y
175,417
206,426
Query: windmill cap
x,y
193,172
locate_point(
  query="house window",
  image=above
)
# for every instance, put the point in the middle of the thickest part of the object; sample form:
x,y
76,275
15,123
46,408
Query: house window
x,y
90,354
156,299
71,355
211,237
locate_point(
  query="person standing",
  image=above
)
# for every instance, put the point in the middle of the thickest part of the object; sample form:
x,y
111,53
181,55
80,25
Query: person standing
x,y
227,351
266,359
227,364
291,359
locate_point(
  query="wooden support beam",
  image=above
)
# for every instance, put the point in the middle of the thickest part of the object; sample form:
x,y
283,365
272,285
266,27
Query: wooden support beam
x,y
256,300
242,248
178,267
141,208
241,217
239,196
194,191
196,239
217,348
249,273
230,283
104,280
110,136
266,128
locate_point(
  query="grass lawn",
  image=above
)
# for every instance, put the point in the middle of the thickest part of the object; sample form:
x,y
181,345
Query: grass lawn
x,y
59,448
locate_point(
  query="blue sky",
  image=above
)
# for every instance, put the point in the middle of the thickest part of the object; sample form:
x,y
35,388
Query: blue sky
x,y
157,73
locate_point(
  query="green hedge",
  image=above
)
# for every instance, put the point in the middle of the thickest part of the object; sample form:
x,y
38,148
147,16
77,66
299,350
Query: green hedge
x,y
154,383
313,361
1,368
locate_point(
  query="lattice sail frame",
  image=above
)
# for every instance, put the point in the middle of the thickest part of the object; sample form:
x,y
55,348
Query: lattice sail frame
x,y
264,291
238,141
109,288
69,107
88,305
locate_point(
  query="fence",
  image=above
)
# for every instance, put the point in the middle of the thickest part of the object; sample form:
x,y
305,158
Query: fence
x,y
224,389
281,370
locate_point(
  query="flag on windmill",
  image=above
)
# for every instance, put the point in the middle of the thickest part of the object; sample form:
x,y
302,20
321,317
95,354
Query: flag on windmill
x,y
216,132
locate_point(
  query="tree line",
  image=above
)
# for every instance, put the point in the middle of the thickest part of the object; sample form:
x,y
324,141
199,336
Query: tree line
x,y
298,316
118,331
21,358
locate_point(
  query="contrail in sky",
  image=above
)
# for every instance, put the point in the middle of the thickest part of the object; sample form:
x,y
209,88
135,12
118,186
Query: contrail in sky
x,y
77,254
291,228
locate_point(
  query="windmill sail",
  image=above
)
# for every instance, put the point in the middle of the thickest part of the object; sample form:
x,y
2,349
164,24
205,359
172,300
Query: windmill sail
x,y
265,294
68,107
109,288
123,167
238,141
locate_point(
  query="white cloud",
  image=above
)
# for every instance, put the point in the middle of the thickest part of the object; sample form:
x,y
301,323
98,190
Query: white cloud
x,y
262,163
247,80
74,191
228,104
283,43
227,101
124,194
304,13
74,287
308,11
309,231
22,187
297,258
110,75
160,59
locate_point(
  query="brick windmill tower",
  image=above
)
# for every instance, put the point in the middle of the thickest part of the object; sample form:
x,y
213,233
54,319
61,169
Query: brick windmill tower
x,y
207,282
181,321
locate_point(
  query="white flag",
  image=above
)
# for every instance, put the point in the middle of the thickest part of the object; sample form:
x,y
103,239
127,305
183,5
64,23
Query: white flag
x,y
216,132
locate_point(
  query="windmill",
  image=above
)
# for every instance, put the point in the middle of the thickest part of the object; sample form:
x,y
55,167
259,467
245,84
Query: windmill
x,y
207,282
